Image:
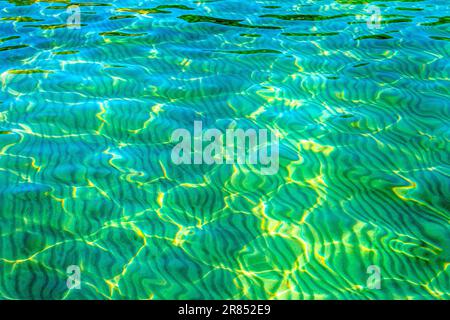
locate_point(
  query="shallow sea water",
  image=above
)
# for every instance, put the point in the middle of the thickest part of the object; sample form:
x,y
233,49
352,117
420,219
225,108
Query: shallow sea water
x,y
86,178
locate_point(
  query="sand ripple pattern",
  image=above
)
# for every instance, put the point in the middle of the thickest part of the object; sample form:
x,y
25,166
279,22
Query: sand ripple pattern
x,y
86,178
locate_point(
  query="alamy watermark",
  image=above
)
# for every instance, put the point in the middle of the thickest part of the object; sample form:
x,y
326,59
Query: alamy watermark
x,y
73,277
374,280
74,19
374,21
234,146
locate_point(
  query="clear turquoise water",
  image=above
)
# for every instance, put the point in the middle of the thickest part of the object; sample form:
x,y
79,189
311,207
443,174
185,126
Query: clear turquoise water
x,y
86,178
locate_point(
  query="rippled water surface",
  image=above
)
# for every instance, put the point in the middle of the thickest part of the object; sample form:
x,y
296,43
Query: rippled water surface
x,y
361,105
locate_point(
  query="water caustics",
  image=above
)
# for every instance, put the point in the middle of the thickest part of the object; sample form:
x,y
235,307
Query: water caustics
x,y
361,103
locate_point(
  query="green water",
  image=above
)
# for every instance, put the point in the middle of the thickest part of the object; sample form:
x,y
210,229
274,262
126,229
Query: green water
x,y
86,177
